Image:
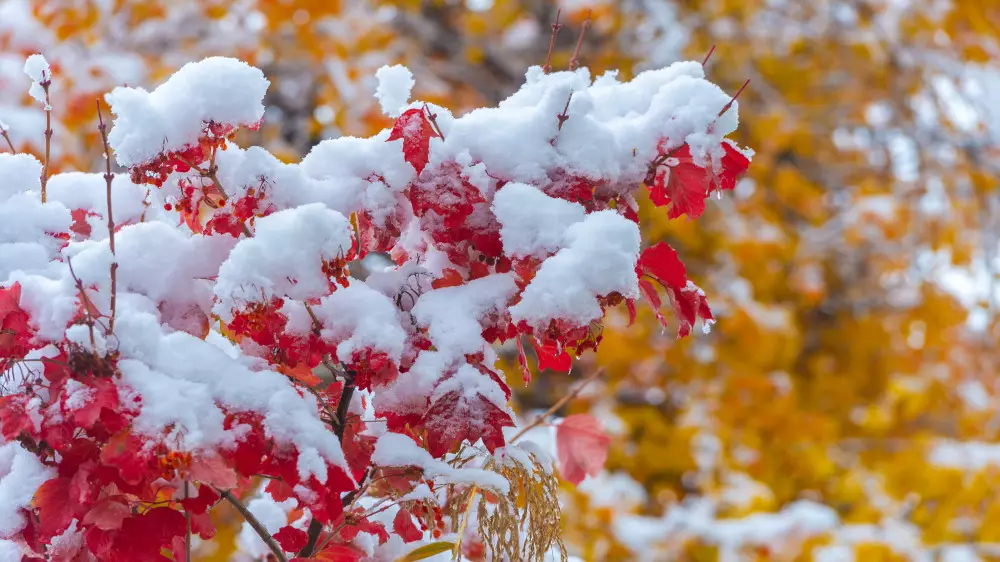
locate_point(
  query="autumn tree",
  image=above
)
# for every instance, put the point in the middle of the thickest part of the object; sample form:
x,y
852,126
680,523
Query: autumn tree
x,y
187,334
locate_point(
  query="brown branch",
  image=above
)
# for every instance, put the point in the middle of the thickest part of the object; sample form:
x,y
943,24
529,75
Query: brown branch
x,y
187,521
552,42
6,137
87,306
555,407
574,62
708,56
432,117
108,178
48,134
255,524
732,100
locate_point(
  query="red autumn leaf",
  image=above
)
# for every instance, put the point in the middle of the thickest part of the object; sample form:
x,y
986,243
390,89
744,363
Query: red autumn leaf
x,y
689,305
403,526
102,394
456,416
14,331
451,278
363,525
108,514
336,553
661,262
13,417
416,131
204,497
54,512
291,539
581,446
630,304
80,224
141,537
550,358
685,185
213,470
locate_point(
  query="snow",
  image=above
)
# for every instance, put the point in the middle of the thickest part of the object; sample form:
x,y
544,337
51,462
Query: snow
x,y
532,223
358,317
598,258
394,449
262,267
171,117
19,173
452,314
273,515
21,473
37,68
394,86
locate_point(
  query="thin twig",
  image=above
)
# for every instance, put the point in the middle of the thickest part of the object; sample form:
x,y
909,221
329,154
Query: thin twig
x,y
732,100
6,137
255,524
108,178
187,520
87,306
45,84
574,62
552,42
708,56
555,407
432,117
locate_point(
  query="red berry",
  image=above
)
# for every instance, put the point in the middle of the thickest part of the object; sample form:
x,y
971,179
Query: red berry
x,y
168,207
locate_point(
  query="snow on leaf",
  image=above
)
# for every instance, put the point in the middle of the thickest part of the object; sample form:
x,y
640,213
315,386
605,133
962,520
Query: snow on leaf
x,y
416,131
684,185
456,416
581,447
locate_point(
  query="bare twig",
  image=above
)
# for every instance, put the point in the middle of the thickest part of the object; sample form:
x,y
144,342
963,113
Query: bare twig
x,y
187,521
555,407
255,524
732,100
574,62
45,84
87,306
552,42
108,178
6,137
708,56
432,117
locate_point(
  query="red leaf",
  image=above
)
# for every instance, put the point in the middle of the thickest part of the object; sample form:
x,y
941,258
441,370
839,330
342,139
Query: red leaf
x,y
630,304
403,526
80,224
212,469
581,446
456,416
661,262
337,553
291,539
450,278
685,185
54,512
550,358
141,537
206,498
107,515
689,305
416,131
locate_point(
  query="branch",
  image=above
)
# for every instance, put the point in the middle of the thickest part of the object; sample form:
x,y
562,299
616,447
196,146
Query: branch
x,y
6,137
108,177
48,134
555,407
726,107
708,56
574,62
187,520
87,307
255,524
552,42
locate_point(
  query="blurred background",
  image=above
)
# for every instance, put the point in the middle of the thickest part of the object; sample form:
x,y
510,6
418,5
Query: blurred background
x,y
845,406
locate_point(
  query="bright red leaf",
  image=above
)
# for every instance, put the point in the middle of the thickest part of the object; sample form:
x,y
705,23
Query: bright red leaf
x,y
581,446
416,131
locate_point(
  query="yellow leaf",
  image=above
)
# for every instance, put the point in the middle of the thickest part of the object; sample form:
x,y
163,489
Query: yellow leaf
x,y
427,551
